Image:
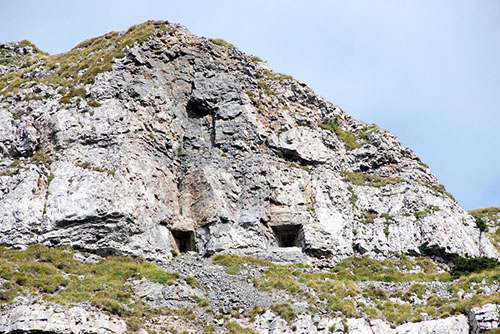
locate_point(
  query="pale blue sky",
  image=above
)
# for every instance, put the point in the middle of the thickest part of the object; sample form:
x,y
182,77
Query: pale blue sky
x,y
427,70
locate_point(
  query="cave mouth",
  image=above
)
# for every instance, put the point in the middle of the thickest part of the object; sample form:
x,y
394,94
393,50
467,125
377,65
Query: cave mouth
x,y
287,235
184,240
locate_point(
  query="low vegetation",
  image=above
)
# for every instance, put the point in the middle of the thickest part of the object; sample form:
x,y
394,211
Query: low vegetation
x,y
235,328
349,140
485,217
69,71
277,76
285,311
264,86
55,275
369,180
221,42
490,213
233,263
337,291
463,266
349,289
440,189
89,166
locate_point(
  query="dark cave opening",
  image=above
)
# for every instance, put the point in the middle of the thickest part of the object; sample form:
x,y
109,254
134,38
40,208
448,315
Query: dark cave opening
x,y
184,240
287,235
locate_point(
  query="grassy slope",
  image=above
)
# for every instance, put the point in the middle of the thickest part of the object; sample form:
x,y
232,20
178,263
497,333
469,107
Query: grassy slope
x,y
69,71
55,275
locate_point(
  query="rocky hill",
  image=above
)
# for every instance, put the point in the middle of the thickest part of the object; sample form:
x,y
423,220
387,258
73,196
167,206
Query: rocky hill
x,y
155,142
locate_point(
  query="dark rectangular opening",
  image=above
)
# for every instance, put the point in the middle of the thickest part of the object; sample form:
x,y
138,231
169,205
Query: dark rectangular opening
x,y
287,235
184,240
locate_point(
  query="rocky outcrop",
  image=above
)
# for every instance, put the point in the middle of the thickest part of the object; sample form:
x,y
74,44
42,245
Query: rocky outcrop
x,y
268,323
484,318
48,318
456,325
189,144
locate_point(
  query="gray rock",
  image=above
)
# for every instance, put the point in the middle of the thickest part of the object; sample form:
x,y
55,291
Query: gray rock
x,y
52,319
451,325
194,150
361,326
484,318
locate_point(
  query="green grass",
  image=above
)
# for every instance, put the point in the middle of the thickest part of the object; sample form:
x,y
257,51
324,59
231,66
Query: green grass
x,y
464,266
369,180
234,328
491,213
345,136
265,87
285,311
209,329
89,166
480,224
201,301
20,60
255,59
363,268
190,280
41,158
440,189
73,92
54,275
277,76
368,217
38,158
221,42
233,263
80,66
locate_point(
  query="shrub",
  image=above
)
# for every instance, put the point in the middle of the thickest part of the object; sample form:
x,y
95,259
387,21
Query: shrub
x,y
480,224
464,266
492,213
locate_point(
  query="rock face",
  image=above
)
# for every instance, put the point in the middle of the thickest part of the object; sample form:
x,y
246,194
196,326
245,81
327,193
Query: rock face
x,y
188,144
268,323
36,318
484,318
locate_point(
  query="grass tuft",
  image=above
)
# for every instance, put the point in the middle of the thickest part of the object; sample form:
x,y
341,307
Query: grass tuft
x,y
345,136
369,180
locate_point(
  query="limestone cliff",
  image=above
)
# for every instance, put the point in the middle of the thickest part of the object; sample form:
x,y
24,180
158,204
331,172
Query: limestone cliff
x,y
155,140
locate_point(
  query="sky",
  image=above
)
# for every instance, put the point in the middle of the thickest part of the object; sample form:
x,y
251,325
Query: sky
x,y
426,70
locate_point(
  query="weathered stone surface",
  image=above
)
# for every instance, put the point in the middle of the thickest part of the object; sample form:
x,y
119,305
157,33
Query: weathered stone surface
x,y
269,323
452,325
376,326
36,318
484,318
197,138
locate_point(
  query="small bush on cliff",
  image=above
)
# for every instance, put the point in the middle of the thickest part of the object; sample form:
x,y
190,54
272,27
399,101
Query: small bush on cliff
x,y
492,213
480,224
464,266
